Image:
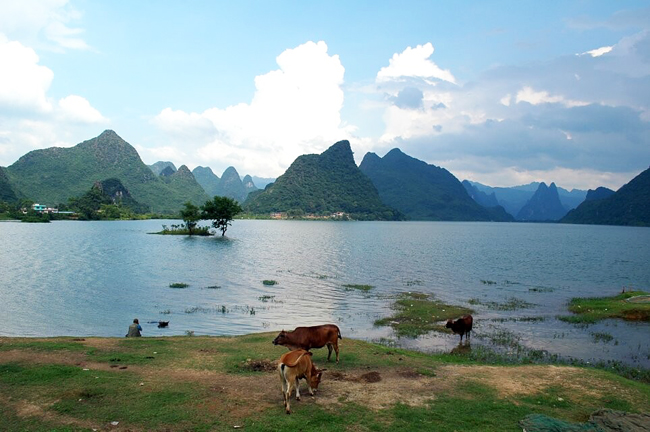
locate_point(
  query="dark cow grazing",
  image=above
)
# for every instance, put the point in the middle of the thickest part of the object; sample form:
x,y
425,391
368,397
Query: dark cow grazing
x,y
307,338
162,324
461,326
292,367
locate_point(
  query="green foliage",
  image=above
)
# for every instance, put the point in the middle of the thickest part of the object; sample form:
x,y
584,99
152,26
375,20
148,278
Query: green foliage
x,y
269,282
178,285
590,310
417,314
191,215
182,230
221,210
321,185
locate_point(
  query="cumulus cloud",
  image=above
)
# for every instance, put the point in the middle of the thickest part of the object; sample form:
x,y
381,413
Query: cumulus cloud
x,y
581,119
29,117
414,62
295,110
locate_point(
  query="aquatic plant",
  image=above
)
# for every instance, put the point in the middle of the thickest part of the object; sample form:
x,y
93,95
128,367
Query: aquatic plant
x,y
178,285
511,304
269,282
623,306
350,287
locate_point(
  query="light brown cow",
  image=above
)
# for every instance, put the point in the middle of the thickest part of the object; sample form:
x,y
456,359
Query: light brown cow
x,y
307,338
292,367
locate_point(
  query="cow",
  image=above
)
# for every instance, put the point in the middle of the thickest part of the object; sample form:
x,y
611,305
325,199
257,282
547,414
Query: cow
x,y
307,338
293,366
461,326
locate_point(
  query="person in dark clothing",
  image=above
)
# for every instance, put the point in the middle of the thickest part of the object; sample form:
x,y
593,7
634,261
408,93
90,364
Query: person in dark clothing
x,y
134,329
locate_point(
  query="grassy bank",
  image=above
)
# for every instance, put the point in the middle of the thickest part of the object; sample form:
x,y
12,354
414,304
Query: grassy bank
x,y
630,306
221,383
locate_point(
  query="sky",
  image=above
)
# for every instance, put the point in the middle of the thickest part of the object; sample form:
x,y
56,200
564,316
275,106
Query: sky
x,y
502,92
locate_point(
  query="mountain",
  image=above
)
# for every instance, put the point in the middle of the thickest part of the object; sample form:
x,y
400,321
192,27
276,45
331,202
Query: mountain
x,y
207,179
183,180
159,166
231,186
249,185
323,184
52,175
7,191
630,205
544,205
479,196
118,194
599,193
422,191
515,197
261,182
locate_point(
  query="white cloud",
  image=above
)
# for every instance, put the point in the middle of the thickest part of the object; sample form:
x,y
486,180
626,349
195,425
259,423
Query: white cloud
x,y
598,52
23,82
42,24
506,100
414,62
295,110
528,94
77,109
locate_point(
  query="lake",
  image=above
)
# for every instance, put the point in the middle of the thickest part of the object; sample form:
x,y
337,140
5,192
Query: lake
x,y
92,278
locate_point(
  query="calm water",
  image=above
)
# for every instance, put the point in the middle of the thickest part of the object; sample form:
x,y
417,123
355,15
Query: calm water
x,y
93,278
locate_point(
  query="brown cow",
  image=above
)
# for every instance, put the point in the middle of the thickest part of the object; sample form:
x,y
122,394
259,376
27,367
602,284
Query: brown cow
x,y
292,367
311,337
461,326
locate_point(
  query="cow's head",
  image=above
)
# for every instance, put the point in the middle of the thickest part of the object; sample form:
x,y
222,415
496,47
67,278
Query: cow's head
x,y
449,323
316,375
280,339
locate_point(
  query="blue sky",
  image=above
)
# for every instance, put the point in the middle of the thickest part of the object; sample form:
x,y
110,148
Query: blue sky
x,y
503,93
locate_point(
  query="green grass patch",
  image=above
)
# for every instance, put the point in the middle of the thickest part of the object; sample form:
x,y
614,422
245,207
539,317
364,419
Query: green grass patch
x,y
510,304
623,306
178,285
417,314
269,282
358,287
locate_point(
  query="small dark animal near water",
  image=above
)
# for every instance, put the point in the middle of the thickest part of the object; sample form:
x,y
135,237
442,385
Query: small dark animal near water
x,y
162,324
292,367
461,326
307,338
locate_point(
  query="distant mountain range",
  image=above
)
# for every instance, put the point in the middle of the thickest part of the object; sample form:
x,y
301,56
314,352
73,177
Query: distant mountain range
x,y
630,205
394,187
514,198
422,191
323,184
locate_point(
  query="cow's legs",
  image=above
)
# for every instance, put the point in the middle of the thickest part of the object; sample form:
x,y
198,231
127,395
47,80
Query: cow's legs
x,y
329,351
336,348
297,388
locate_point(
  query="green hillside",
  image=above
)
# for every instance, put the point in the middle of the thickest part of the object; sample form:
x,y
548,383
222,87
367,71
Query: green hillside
x,y
53,175
422,191
231,185
208,180
323,184
630,205
7,191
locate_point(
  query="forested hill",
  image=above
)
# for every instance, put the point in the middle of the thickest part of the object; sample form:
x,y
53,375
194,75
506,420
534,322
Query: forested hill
x,y
53,175
422,191
7,191
630,205
323,184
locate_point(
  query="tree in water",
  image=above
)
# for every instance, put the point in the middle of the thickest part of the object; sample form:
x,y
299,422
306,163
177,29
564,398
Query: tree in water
x,y
191,215
221,210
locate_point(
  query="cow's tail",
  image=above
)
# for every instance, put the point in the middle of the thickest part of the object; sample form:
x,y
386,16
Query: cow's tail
x,y
339,332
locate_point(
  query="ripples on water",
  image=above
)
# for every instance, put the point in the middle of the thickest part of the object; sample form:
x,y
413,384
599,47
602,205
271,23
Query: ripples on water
x,y
93,278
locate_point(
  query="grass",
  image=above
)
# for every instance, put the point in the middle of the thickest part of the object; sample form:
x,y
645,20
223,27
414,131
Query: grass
x,y
178,285
592,309
417,314
511,304
205,384
350,287
269,282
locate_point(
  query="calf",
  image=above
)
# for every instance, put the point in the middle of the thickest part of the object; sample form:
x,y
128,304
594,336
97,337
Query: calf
x,y
461,326
307,338
292,367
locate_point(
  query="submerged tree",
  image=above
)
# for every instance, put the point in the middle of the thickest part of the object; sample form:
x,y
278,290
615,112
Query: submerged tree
x,y
191,215
221,210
